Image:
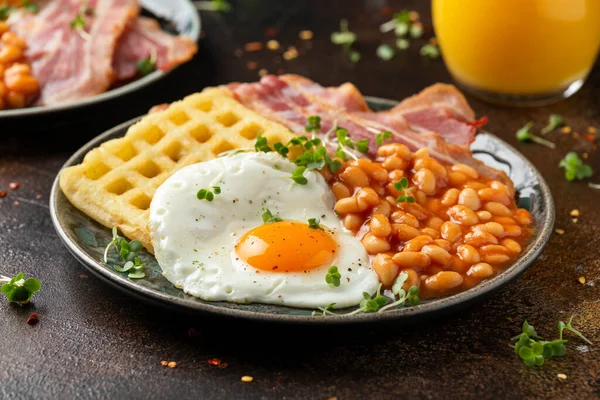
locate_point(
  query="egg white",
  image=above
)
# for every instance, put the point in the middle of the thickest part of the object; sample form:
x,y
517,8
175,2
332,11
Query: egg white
x,y
194,240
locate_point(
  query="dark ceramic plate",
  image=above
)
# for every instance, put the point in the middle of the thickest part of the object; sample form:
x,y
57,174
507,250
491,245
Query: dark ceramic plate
x,y
175,16
87,239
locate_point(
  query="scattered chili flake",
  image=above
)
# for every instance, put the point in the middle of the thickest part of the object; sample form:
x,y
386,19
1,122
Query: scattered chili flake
x,y
413,16
223,365
262,72
3,193
273,45
214,361
592,129
581,280
247,379
251,65
172,364
590,137
238,52
565,129
14,185
164,363
33,319
306,35
433,41
574,213
253,46
270,32
290,54
561,376
559,231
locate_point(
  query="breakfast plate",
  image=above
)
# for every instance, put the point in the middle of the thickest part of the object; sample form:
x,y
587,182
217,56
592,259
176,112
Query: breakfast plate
x,y
175,16
87,240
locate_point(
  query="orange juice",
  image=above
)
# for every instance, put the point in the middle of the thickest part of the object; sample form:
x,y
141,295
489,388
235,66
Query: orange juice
x,y
518,47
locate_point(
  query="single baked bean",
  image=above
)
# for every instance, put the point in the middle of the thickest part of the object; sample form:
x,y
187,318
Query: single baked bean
x,y
491,227
396,149
450,198
383,208
481,271
3,89
353,221
479,238
16,99
475,185
443,243
355,176
368,195
462,215
494,254
457,265
10,39
395,175
511,245
504,220
469,198
434,223
497,209
420,197
512,230
385,268
400,217
349,205
411,259
412,280
433,204
443,281
523,216
374,244
465,169
3,27
484,215
490,194
417,243
380,225
425,180
437,254
405,232
450,231
340,190
501,187
415,209
394,162
9,54
457,179
421,153
430,232
468,254
373,170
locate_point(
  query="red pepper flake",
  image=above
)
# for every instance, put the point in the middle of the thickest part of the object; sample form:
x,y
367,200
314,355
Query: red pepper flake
x,y
223,365
253,46
13,185
3,193
33,319
214,361
193,333
590,137
270,32
386,11
251,65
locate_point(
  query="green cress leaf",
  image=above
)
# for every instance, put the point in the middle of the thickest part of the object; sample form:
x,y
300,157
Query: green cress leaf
x,y
574,167
78,22
20,290
313,223
313,124
146,66
363,145
401,29
554,121
429,51
413,296
32,285
333,277
381,136
399,282
29,6
402,17
523,135
354,56
5,10
128,265
216,189
402,44
261,144
268,217
344,37
529,330
281,149
298,176
416,31
385,52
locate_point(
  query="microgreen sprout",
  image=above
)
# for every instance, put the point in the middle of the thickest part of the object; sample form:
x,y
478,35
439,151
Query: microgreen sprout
x,y
129,253
382,136
402,186
208,194
385,52
402,44
29,6
78,22
523,135
18,289
313,124
333,277
268,217
554,121
399,23
533,350
261,144
429,50
298,176
416,30
412,297
574,167
146,66
345,38
345,142
314,223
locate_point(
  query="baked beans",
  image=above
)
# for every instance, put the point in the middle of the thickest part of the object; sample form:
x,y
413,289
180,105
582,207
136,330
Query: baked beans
x,y
460,228
18,87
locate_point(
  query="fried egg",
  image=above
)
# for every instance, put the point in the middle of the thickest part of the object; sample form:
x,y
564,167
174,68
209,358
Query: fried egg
x,y
222,250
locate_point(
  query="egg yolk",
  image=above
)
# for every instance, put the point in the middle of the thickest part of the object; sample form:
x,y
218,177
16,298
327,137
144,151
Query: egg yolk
x,y
286,246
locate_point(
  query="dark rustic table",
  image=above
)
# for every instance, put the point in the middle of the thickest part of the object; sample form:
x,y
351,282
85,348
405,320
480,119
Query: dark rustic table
x,y
92,341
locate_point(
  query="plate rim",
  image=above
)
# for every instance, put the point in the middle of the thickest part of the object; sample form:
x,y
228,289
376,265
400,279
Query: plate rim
x,y
423,310
194,34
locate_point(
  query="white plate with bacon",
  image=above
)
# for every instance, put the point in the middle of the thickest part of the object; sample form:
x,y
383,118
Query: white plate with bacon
x,y
63,54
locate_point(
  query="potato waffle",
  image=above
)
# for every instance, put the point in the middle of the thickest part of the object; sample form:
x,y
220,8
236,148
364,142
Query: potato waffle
x,y
115,183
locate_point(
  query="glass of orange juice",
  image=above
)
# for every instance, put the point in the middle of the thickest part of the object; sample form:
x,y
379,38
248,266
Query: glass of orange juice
x,y
518,52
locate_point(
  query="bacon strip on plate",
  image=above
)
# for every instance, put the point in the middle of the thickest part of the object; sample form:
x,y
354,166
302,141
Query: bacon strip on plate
x,y
145,39
73,63
276,99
